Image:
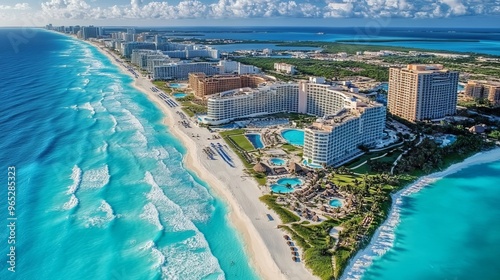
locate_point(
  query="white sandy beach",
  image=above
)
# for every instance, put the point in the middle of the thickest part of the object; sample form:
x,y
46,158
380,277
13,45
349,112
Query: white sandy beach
x,y
265,245
383,239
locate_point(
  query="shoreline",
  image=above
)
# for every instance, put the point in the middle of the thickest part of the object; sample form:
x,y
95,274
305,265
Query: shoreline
x,y
263,243
383,238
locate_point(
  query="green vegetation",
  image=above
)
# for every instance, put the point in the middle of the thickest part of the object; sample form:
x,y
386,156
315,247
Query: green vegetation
x,y
328,69
242,142
319,254
369,198
192,109
290,148
495,134
335,47
482,107
231,137
285,215
162,86
428,156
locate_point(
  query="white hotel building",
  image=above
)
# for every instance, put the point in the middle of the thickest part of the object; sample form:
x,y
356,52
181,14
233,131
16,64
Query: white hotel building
x,y
347,119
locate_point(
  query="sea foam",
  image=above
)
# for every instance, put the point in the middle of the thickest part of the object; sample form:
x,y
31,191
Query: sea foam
x,y
76,176
102,216
151,214
72,203
95,178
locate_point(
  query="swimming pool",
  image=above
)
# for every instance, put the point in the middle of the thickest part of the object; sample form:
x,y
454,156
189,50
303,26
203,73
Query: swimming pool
x,y
335,203
282,186
312,165
179,95
175,85
449,139
277,161
293,136
255,139
281,189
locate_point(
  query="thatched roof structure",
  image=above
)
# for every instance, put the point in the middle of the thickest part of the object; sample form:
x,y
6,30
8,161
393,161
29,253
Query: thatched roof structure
x,y
294,167
261,167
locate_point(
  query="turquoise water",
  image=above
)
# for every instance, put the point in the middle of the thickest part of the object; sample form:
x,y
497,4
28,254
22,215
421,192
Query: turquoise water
x,y
179,95
278,161
255,139
294,136
281,185
102,192
281,189
335,203
291,181
312,165
175,85
448,230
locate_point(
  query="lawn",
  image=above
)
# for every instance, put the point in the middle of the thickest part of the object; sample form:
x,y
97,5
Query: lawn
x,y
243,142
290,148
162,86
286,215
192,109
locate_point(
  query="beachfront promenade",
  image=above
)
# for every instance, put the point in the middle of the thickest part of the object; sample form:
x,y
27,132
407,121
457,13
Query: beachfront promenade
x,y
268,251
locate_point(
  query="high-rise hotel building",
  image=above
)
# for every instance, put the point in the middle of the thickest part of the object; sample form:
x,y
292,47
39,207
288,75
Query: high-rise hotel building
x,y
347,119
422,92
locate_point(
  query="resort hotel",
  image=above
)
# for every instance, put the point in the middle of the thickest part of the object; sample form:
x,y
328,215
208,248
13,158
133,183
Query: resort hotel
x,y
347,120
489,90
422,92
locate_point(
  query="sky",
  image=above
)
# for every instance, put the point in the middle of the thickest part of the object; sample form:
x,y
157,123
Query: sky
x,y
390,13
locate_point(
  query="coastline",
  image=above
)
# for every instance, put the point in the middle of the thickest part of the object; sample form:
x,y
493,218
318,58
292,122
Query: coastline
x,y
263,242
383,238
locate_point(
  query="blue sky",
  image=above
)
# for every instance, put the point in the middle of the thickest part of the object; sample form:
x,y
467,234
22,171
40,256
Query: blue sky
x,y
391,13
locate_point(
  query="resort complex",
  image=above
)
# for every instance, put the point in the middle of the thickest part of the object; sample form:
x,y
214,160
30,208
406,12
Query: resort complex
x,y
346,120
422,92
488,90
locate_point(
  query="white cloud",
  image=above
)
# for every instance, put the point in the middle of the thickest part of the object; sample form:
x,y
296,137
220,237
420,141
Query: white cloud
x,y
18,6
207,9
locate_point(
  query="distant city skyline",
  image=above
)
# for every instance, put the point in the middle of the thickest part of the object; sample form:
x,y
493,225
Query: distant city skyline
x,y
380,13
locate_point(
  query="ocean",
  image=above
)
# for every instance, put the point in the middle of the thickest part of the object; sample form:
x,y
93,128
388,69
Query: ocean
x,y
447,230
101,190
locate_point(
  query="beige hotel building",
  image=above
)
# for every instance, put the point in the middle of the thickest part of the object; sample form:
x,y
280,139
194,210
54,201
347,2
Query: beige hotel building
x,y
422,92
